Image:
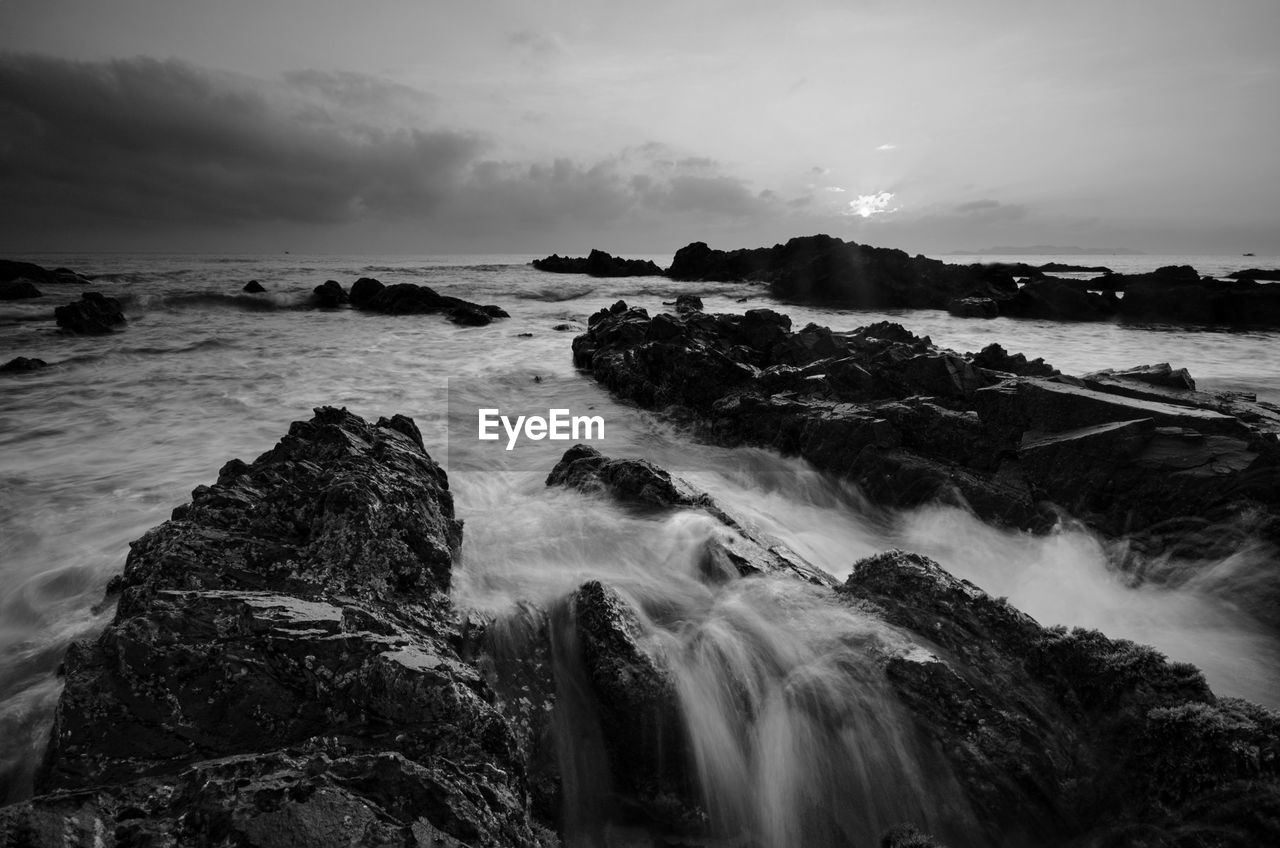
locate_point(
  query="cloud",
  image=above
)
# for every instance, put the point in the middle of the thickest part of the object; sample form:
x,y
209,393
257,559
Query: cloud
x,y
887,147
162,141
835,189
867,205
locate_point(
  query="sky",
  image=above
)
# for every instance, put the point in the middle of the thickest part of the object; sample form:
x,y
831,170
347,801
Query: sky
x,y
539,126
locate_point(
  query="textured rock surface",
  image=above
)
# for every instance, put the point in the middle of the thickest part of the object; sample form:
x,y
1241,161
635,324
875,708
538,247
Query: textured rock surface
x,y
1067,736
282,669
94,314
739,551
913,423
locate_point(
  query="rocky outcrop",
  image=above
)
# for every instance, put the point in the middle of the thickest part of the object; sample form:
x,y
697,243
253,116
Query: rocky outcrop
x,y
913,423
329,295
1185,298
11,271
738,551
1058,300
94,314
19,290
824,269
283,668
1256,274
22,363
598,264
371,295
1068,737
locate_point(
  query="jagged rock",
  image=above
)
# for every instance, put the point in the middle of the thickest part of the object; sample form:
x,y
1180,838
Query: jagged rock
x,y
254,287
282,665
910,422
19,289
22,363
1069,737
685,303
329,295
1162,374
740,550
995,358
94,314
598,264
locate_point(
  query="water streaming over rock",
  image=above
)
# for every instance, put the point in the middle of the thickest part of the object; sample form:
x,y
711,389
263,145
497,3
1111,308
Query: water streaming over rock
x,y
793,736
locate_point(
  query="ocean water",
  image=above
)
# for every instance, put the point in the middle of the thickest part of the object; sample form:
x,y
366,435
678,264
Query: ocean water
x,y
100,447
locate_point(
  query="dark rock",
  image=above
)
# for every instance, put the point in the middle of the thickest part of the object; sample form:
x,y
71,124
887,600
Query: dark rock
x,y
364,291
94,314
973,307
598,264
1184,299
329,295
470,316
11,271
567,328
20,289
911,423
1056,734
281,666
685,303
996,358
1162,374
22,363
1061,267
738,551
823,269
1057,300
254,287
1256,274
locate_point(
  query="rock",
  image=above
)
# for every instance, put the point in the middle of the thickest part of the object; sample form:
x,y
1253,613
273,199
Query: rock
x,y
254,287
1065,736
22,363
1057,300
973,307
1256,274
822,269
1183,298
598,264
20,289
94,314
685,303
567,328
740,551
996,358
364,291
470,316
1163,375
1060,267
911,423
282,666
329,295
33,274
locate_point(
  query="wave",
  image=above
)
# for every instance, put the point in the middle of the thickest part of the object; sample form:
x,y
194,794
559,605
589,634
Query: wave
x,y
203,344
557,294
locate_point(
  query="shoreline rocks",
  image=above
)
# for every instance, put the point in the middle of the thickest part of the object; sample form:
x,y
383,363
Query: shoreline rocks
x,y
912,423
283,665
598,264
94,314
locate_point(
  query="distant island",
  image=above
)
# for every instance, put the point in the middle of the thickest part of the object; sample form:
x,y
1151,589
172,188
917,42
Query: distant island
x,y
1049,250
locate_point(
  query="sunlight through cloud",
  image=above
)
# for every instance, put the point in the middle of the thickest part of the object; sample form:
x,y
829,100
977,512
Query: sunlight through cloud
x,y
867,205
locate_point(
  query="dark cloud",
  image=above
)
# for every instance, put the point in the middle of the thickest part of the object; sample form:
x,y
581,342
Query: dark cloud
x,y
149,140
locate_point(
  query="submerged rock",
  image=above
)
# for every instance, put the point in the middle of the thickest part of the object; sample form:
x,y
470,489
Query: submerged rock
x,y
19,290
22,363
253,287
598,264
283,666
94,314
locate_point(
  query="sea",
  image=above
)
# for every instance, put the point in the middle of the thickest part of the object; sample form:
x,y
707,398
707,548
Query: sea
x,y
102,445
